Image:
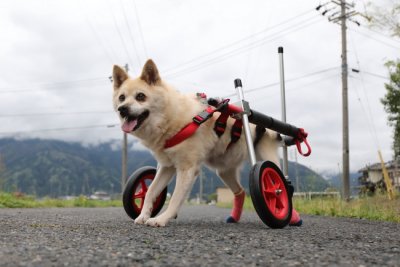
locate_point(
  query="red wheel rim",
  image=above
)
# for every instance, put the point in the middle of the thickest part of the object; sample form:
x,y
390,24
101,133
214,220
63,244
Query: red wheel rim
x,y
140,191
274,193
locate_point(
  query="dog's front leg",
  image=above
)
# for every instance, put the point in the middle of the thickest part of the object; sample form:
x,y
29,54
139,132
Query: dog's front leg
x,y
163,176
184,183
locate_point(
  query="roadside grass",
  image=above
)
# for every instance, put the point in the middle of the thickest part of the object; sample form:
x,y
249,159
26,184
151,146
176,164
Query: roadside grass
x,y
8,200
378,207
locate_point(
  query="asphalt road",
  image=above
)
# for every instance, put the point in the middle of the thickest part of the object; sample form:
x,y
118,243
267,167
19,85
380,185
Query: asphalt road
x,y
199,237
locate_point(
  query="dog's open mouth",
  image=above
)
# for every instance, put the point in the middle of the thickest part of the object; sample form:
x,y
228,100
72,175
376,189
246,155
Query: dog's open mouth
x,y
132,123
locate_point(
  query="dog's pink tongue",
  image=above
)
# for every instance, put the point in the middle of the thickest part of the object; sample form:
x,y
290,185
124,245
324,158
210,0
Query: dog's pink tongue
x,y
128,126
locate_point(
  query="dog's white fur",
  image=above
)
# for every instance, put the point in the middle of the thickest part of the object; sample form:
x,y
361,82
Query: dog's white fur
x,y
169,112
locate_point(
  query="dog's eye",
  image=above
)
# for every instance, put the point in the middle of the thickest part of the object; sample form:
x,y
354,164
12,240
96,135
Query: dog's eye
x,y
121,98
140,97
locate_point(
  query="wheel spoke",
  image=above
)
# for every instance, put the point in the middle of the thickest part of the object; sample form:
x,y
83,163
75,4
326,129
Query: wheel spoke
x,y
144,186
272,204
269,192
268,182
279,203
140,194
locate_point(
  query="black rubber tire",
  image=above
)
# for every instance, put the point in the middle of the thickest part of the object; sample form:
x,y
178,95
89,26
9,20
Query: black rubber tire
x,y
132,184
262,203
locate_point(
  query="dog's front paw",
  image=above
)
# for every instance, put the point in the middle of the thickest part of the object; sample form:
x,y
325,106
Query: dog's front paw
x,y
157,222
142,219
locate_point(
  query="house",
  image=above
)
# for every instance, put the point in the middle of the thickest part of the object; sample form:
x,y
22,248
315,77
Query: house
x,y
372,174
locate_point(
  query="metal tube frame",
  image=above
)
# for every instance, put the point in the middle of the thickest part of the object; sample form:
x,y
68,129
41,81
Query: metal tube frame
x,y
285,164
245,120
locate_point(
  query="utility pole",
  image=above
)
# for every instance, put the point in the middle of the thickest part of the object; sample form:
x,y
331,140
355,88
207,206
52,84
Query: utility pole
x,y
201,176
124,172
345,105
296,171
341,16
124,152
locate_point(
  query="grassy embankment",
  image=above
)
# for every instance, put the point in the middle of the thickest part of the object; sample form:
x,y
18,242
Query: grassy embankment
x,y
8,200
371,208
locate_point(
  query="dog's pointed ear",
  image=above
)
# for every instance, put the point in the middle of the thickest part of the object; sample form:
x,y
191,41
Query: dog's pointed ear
x,y
119,76
150,73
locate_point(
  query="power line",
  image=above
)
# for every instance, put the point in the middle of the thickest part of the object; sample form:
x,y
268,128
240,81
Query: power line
x,y
119,32
287,81
370,118
140,28
52,84
99,39
49,89
111,125
377,40
52,114
245,48
249,37
391,38
130,33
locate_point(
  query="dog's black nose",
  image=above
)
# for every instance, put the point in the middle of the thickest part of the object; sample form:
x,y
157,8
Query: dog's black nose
x,y
123,111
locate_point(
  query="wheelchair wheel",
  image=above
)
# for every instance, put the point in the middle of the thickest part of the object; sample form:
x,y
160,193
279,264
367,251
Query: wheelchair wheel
x,y
136,189
269,192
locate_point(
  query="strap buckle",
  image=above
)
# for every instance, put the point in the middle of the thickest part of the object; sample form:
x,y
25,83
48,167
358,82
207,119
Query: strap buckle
x,y
202,117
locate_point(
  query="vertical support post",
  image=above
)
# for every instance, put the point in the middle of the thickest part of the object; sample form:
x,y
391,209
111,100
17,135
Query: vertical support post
x,y
201,176
296,172
345,109
124,172
124,161
245,119
285,167
386,178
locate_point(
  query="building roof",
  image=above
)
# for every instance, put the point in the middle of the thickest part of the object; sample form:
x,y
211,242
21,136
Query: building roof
x,y
377,166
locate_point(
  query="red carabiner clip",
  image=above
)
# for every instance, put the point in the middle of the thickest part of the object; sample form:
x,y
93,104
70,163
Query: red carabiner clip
x,y
302,137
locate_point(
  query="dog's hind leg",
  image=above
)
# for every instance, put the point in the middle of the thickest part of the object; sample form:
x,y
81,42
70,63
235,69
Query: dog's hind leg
x,y
163,176
231,179
267,148
184,183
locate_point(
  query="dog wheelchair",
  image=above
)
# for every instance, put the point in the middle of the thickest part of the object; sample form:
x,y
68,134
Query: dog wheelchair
x,y
271,192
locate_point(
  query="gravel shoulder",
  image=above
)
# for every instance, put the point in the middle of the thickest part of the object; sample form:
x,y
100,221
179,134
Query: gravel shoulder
x,y
199,237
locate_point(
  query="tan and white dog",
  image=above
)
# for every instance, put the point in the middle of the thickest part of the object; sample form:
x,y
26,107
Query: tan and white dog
x,y
153,111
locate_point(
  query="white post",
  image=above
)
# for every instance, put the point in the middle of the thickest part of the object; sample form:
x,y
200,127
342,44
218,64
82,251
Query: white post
x,y
246,125
283,107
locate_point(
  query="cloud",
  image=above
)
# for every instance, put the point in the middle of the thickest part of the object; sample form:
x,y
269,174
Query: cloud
x,y
63,52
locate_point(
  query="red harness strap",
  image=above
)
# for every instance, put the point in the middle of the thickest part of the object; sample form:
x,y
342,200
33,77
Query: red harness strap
x,y
219,128
220,124
190,128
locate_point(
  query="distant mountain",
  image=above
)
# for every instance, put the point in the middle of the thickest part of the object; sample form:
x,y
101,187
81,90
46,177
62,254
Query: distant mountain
x,y
335,180
57,168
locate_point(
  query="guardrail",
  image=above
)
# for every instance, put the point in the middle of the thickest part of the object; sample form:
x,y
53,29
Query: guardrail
x,y
310,195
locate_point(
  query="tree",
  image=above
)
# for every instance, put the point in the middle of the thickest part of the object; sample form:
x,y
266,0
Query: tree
x,y
386,16
391,102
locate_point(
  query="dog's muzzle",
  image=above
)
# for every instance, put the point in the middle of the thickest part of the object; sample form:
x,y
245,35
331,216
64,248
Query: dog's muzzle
x,y
131,122
123,111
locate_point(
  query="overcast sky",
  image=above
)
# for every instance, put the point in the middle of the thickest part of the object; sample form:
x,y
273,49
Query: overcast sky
x,y
56,57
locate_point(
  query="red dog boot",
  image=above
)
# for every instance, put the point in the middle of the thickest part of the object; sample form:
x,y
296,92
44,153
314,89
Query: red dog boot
x,y
295,220
237,207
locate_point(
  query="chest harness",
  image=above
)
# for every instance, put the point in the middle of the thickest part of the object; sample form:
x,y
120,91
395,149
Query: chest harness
x,y
220,125
227,111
